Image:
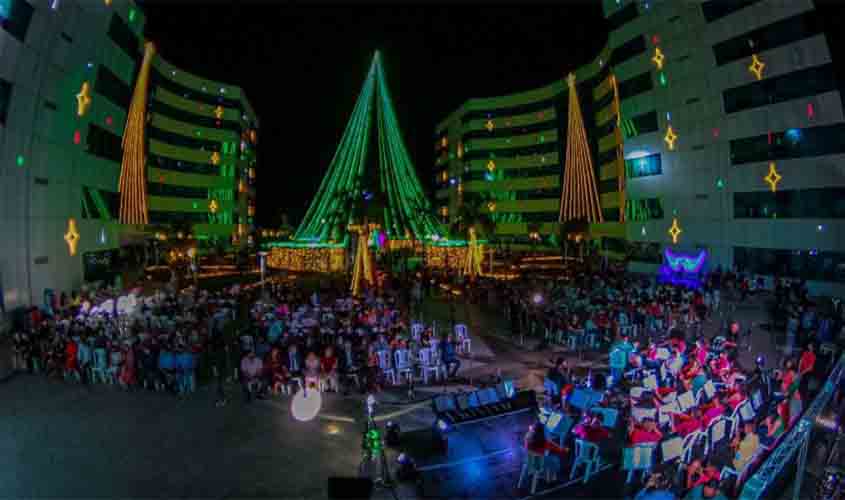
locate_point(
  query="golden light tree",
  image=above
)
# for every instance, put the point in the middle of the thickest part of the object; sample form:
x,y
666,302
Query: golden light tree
x,y
133,172
580,197
362,271
474,256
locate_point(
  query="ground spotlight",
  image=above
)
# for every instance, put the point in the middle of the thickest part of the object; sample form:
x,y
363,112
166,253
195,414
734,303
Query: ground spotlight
x,y
306,405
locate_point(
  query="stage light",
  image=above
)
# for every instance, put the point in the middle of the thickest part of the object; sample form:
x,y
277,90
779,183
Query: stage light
x,y
306,405
392,435
442,425
537,299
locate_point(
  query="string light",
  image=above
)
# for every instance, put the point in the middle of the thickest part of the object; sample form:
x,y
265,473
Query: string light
x,y
675,231
491,206
757,66
491,166
580,197
773,177
215,158
83,99
213,206
474,256
133,178
71,236
218,112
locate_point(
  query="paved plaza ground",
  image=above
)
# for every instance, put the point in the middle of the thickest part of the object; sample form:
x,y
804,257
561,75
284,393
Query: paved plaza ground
x,y
63,440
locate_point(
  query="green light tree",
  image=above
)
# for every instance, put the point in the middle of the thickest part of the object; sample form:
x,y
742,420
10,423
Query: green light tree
x,y
380,186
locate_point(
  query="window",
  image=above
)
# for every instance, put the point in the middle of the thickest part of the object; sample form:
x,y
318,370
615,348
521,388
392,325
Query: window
x,y
627,50
104,144
604,101
806,264
622,16
607,157
717,9
124,37
165,163
821,203
101,266
173,191
640,124
112,88
608,186
514,173
99,204
532,107
792,143
5,99
540,217
505,131
16,18
804,83
769,37
610,214
643,167
645,209
635,86
641,251
537,194
160,217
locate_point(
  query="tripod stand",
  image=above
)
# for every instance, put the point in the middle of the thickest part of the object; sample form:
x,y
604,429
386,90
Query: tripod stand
x,y
374,463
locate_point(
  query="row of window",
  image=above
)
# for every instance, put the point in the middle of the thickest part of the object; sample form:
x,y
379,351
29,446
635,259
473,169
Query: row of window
x,y
124,37
793,143
640,124
177,88
803,264
520,109
627,50
803,83
104,144
537,149
162,217
512,173
644,166
195,119
635,86
644,209
112,87
499,132
166,163
182,140
16,19
173,191
714,10
768,37
622,16
821,203
537,194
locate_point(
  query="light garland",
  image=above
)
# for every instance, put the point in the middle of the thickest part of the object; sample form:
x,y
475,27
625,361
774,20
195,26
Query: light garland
x,y
579,196
133,178
71,237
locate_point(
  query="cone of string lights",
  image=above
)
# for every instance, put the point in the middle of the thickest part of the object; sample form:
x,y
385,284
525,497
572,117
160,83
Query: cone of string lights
x,y
579,197
133,178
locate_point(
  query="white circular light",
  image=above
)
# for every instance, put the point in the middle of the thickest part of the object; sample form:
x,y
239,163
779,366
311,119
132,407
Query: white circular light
x,y
306,407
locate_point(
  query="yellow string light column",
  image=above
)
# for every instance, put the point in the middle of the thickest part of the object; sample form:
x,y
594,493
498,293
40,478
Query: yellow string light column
x,y
362,270
133,178
474,256
580,196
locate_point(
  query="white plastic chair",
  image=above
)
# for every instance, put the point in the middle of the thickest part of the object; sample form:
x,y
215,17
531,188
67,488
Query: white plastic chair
x,y
642,458
689,442
428,364
417,330
586,454
533,466
402,364
385,366
716,433
464,342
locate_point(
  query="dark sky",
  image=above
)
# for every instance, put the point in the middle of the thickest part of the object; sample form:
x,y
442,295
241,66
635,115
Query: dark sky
x,y
302,68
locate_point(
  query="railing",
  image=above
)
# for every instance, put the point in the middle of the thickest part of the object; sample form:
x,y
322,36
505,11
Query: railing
x,y
795,441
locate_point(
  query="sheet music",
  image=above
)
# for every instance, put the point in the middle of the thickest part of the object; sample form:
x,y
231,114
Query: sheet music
x,y
650,382
687,400
746,412
718,431
709,389
641,414
672,449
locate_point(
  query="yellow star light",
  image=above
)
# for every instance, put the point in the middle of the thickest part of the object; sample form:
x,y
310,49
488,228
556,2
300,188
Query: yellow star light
x,y
491,166
490,125
757,67
675,231
215,158
83,99
71,237
218,112
773,178
658,58
491,206
213,206
670,138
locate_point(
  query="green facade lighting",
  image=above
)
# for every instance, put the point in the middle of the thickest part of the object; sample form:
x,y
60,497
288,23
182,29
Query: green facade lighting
x,y
20,161
132,15
662,79
720,183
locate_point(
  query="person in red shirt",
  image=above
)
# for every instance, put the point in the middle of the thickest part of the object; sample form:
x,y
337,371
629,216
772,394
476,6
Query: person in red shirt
x,y
537,446
591,429
645,433
70,359
699,473
328,368
684,424
808,361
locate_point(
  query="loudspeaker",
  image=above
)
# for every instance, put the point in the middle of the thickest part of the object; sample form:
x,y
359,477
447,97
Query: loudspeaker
x,y
350,488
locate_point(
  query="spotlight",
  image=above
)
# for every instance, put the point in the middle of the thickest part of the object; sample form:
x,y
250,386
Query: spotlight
x,y
407,468
760,361
537,298
306,405
442,425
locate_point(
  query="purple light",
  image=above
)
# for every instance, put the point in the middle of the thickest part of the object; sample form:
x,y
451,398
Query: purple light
x,y
685,263
382,239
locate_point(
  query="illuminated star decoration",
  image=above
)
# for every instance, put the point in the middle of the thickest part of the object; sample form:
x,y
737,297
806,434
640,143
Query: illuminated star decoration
x,y
71,236
670,138
215,158
491,206
491,166
757,66
83,99
489,125
773,177
658,58
213,206
675,231
218,112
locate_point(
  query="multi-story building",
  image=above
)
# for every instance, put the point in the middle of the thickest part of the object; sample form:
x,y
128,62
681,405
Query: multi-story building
x,y
70,71
714,126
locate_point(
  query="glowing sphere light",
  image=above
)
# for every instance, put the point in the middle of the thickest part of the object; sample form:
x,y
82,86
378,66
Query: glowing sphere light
x,y
306,405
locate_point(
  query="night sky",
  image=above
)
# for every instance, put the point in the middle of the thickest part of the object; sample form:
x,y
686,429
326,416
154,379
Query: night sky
x,y
302,69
